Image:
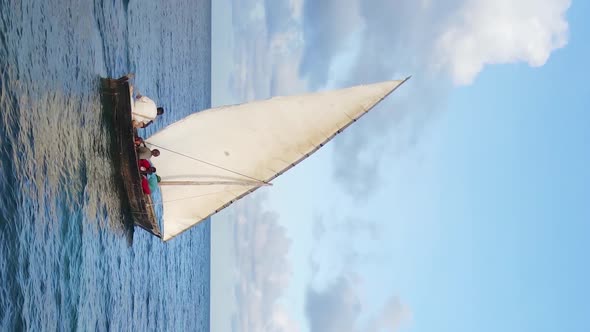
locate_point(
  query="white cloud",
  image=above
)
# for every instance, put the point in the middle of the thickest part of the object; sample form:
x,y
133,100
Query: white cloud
x,y
458,37
267,48
282,321
334,300
296,8
501,31
338,308
393,315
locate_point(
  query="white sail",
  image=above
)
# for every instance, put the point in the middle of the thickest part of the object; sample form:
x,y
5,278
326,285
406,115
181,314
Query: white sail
x,y
214,157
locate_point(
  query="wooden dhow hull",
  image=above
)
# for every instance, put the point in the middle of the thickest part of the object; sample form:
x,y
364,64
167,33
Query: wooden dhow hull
x,y
137,206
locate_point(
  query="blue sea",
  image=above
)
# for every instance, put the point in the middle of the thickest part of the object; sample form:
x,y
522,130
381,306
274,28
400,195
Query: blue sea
x,y
65,262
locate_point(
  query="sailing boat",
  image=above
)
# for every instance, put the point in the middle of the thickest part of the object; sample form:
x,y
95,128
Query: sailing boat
x,y
212,158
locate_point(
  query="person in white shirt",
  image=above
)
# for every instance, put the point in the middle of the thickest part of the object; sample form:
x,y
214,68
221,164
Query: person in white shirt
x,y
144,111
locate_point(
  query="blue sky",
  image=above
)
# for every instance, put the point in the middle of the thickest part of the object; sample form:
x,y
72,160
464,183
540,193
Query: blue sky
x,y
458,205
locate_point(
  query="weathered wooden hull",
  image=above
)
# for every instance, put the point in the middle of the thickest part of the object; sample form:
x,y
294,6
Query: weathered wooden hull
x,y
116,100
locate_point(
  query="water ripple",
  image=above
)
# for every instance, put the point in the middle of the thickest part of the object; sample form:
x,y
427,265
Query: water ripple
x,y
64,259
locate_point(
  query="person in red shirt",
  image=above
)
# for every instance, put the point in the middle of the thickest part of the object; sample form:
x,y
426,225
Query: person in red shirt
x,y
145,186
145,167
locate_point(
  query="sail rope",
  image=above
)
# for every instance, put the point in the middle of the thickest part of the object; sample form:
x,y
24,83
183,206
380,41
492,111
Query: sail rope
x,y
208,183
208,163
185,198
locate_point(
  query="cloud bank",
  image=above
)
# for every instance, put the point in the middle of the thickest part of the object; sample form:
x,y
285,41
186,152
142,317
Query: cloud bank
x,y
456,37
338,309
342,248
263,271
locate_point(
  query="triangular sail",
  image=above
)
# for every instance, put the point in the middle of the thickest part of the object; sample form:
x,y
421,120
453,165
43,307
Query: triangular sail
x,y
233,150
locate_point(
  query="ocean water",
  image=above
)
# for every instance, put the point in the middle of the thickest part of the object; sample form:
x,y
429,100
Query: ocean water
x,y
65,263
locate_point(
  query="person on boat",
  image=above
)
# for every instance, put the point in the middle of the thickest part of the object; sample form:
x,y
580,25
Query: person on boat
x,y
153,180
143,152
145,167
147,171
145,185
144,111
138,141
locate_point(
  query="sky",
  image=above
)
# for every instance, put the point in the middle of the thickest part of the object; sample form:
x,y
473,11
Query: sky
x,y
457,204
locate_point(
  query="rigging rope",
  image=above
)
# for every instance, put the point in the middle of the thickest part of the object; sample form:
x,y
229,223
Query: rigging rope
x,y
207,163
